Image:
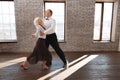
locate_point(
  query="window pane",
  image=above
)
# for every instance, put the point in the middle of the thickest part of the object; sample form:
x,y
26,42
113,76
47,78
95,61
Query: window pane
x,y
1,32
11,8
0,8
5,7
98,7
12,26
7,21
12,18
14,37
7,32
107,17
1,19
58,15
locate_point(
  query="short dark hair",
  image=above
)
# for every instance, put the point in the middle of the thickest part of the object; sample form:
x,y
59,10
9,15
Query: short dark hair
x,y
51,12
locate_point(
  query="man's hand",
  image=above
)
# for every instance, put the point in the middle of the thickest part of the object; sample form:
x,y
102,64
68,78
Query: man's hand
x,y
41,33
33,35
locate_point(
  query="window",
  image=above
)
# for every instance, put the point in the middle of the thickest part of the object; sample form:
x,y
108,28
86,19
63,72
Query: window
x,y
7,22
58,9
103,21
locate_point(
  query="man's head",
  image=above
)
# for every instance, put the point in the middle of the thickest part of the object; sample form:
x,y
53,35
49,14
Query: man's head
x,y
48,13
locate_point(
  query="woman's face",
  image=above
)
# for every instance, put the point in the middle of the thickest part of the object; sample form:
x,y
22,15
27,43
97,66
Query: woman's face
x,y
39,21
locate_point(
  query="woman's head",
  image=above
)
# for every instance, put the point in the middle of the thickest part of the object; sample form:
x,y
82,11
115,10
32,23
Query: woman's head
x,y
37,21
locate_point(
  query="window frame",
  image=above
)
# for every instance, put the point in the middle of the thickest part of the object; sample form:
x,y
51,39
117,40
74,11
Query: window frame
x,y
60,41
101,22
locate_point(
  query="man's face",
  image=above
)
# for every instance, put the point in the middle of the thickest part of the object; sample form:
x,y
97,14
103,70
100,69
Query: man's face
x,y
47,13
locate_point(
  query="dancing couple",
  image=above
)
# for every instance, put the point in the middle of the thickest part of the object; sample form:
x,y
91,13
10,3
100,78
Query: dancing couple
x,y
45,32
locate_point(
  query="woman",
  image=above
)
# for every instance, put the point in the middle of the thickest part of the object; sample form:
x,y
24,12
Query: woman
x,y
40,52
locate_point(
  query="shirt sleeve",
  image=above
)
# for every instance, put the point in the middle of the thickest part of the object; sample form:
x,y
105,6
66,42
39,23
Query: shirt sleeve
x,y
53,23
41,29
37,30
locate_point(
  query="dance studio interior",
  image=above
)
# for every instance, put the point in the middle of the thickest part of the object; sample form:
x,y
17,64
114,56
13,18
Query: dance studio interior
x,y
88,33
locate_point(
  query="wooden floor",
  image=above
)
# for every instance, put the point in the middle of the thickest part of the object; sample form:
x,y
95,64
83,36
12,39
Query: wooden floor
x,y
83,66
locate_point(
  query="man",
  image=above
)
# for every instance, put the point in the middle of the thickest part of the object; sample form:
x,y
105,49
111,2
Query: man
x,y
51,38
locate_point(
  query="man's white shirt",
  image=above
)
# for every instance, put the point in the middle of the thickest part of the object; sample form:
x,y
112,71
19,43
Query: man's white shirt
x,y
49,25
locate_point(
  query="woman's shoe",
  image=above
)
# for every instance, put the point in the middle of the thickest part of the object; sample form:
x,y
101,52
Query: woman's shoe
x,y
44,66
23,67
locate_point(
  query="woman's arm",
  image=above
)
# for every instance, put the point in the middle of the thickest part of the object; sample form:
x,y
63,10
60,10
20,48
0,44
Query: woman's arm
x,y
36,33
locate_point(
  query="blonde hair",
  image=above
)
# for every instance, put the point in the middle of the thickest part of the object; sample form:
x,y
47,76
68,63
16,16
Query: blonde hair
x,y
36,21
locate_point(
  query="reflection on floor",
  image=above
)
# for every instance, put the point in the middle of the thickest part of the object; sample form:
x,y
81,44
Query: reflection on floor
x,y
82,66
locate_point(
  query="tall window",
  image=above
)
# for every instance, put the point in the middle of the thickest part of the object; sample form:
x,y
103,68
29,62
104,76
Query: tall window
x,y
58,9
103,21
7,22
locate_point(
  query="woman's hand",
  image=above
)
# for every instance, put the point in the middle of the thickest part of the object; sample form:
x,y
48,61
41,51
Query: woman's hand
x,y
33,35
41,33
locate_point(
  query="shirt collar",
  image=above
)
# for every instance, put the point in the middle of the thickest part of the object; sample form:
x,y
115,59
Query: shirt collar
x,y
48,18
